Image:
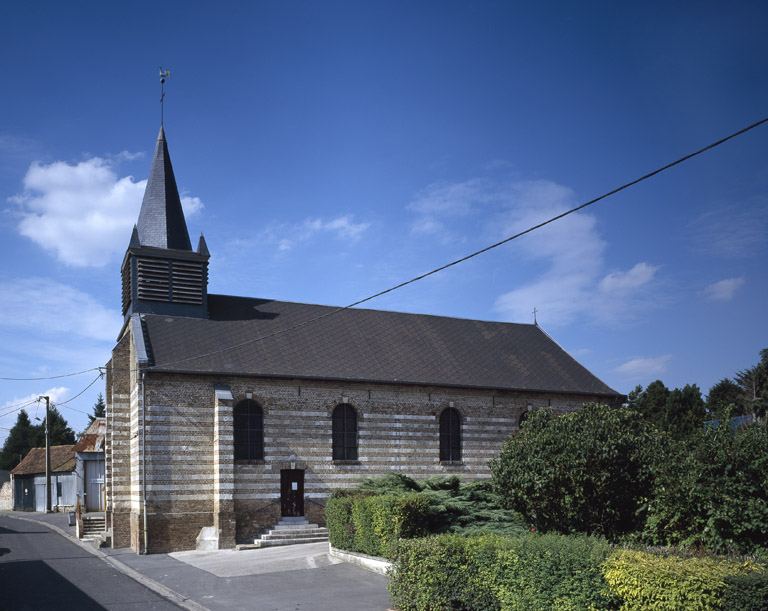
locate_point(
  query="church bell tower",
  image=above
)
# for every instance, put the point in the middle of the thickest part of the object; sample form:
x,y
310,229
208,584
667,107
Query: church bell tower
x,y
161,273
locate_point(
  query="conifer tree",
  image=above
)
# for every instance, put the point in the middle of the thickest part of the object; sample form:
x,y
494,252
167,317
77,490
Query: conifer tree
x,y
19,441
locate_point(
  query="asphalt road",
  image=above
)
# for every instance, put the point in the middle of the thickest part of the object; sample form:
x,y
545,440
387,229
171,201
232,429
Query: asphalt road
x,y
40,569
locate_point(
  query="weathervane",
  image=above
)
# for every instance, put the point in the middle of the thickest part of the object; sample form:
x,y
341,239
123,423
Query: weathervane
x,y
163,75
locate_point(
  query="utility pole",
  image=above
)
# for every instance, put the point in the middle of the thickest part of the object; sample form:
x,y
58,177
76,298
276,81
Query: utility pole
x,y
47,455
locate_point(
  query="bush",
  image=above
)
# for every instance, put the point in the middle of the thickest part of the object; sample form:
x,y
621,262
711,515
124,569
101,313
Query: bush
x,y
446,572
523,573
669,583
539,573
338,520
711,491
586,471
372,524
746,592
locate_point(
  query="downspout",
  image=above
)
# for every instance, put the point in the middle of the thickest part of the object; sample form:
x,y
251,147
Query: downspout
x,y
144,455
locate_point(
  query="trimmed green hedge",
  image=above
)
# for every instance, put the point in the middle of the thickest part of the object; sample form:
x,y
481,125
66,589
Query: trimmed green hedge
x,y
373,524
523,573
568,573
668,583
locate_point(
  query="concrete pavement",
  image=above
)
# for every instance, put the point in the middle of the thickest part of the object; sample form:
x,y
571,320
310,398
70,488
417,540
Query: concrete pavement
x,y
292,578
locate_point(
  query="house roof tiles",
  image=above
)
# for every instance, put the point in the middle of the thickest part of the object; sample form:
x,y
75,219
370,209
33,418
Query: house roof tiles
x,y
62,459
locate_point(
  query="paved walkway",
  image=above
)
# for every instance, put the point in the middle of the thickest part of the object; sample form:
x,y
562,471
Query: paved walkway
x,y
293,578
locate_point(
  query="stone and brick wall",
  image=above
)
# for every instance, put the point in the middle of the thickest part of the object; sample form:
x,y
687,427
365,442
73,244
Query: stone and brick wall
x,y
193,480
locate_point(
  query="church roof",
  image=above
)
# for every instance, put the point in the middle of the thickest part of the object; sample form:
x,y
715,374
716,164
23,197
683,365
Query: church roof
x,y
363,345
161,219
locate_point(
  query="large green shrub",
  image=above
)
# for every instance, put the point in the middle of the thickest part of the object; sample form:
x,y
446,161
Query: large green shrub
x,y
669,583
585,471
711,491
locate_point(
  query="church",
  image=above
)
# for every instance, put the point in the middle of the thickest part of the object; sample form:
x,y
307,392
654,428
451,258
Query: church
x,y
227,413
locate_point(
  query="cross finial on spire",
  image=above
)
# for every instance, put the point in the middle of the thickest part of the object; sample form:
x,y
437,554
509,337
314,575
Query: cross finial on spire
x,y
534,316
163,74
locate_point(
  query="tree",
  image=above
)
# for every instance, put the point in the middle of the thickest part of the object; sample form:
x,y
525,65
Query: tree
x,y
754,385
99,409
19,441
676,412
60,432
684,411
711,490
651,402
586,471
723,394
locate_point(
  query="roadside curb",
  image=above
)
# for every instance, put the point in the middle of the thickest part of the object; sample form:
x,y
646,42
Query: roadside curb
x,y
364,561
165,592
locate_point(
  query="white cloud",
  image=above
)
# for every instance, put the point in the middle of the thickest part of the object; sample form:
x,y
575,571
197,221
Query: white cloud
x,y
723,290
285,237
622,282
640,368
735,231
447,200
342,226
566,257
83,213
47,306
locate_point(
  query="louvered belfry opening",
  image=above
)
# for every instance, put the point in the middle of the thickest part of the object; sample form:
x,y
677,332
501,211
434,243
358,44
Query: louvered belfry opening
x,y
171,281
187,282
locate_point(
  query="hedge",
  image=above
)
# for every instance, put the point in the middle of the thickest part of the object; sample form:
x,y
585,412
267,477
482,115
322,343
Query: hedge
x,y
373,524
669,583
569,573
523,573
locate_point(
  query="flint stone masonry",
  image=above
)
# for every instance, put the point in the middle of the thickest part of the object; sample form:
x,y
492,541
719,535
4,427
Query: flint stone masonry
x,y
193,481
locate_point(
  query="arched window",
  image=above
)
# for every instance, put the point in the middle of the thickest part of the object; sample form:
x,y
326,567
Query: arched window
x,y
450,435
523,418
249,430
344,421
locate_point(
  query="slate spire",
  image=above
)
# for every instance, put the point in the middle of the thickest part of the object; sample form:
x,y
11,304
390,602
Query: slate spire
x,y
161,220
161,274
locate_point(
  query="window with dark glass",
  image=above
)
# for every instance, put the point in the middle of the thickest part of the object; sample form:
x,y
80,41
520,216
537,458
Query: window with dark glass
x,y
450,435
249,430
344,420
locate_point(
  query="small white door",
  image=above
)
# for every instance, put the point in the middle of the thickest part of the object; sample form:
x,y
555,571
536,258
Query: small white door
x,y
94,485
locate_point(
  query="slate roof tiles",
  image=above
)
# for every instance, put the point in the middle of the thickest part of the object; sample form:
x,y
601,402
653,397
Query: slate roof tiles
x,y
275,338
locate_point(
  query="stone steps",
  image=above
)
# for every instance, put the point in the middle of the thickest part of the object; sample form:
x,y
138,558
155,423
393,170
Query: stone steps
x,y
292,531
93,526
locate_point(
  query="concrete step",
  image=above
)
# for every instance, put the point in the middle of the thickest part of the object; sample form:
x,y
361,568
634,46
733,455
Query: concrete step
x,y
292,527
300,534
292,531
276,542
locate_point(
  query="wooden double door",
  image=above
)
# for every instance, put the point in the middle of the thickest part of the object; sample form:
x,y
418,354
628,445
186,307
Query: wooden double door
x,y
292,492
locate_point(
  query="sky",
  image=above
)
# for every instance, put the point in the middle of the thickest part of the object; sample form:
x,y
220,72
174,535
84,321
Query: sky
x,y
331,150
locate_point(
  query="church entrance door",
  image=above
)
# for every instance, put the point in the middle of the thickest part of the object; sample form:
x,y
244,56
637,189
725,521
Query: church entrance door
x,y
292,492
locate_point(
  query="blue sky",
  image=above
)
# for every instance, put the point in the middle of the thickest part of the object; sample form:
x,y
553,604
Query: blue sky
x,y
330,150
